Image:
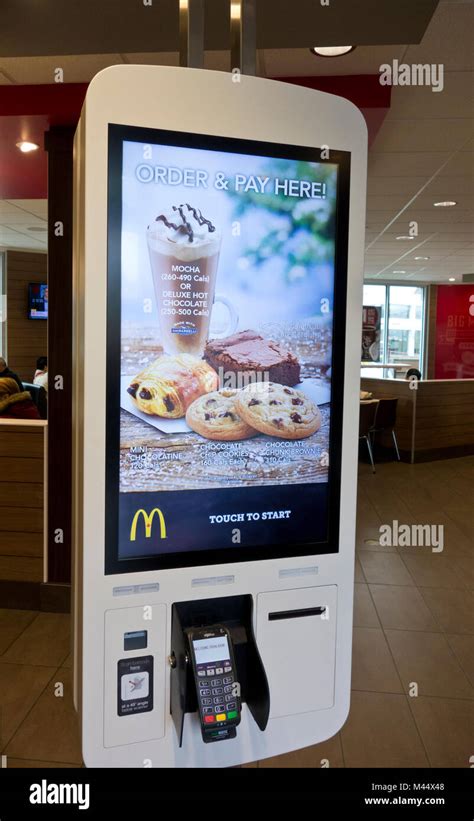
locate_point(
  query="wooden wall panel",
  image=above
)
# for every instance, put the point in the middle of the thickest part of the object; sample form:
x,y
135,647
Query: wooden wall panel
x,y
27,339
443,415
21,501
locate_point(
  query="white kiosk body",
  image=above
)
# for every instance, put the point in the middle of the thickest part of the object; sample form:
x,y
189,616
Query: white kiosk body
x,y
164,514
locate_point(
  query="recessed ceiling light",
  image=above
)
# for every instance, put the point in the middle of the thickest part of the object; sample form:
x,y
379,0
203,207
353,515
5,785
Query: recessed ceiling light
x,y
405,237
398,272
452,279
26,146
418,258
445,204
331,51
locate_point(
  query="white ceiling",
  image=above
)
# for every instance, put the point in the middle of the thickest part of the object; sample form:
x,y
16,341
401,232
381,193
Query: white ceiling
x,y
24,224
424,151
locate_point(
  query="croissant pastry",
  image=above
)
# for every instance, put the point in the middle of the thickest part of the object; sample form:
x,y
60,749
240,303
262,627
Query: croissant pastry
x,y
169,385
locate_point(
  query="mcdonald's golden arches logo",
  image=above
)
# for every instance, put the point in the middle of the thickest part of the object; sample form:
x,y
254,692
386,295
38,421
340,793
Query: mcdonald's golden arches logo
x,y
148,520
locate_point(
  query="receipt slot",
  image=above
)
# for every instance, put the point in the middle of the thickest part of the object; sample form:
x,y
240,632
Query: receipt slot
x,y
218,257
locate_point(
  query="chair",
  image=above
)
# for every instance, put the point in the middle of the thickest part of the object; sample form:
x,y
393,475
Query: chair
x,y
385,419
39,397
367,415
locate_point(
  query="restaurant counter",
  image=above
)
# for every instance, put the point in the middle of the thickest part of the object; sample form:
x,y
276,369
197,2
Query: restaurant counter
x,y
435,417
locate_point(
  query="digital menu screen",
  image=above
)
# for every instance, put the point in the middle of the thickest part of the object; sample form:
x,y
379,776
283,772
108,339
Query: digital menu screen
x,y
37,300
226,288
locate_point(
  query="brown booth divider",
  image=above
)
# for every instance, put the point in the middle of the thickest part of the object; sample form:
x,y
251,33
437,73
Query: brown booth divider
x,y
435,419
22,499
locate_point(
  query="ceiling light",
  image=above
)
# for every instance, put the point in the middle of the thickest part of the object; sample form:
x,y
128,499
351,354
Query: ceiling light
x,y
445,204
26,146
398,272
331,51
452,279
418,258
405,237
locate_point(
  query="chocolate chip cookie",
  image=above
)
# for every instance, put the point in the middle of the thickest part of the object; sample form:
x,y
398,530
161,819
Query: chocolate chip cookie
x,y
215,417
278,410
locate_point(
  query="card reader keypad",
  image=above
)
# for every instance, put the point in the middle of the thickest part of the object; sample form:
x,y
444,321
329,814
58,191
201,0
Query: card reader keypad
x,y
217,682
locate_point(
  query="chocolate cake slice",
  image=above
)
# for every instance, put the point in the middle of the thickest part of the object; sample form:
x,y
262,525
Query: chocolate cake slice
x,y
248,354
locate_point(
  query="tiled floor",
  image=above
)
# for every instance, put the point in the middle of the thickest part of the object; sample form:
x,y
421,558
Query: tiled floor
x,y
413,658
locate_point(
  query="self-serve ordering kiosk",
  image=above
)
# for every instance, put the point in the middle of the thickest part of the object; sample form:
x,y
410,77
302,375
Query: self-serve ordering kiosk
x,y
218,259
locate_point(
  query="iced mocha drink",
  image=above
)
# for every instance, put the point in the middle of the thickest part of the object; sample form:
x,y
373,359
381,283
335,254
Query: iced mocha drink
x,y
184,254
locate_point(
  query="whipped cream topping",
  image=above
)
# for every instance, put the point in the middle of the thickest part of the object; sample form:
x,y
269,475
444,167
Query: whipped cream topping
x,y
183,224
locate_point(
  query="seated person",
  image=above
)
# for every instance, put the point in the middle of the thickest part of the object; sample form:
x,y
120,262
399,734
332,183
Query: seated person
x,y
41,373
15,404
5,373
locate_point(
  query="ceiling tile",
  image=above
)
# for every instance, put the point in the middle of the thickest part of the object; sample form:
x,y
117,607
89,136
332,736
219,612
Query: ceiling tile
x,y
77,68
159,58
420,102
405,163
448,38
300,62
38,208
423,135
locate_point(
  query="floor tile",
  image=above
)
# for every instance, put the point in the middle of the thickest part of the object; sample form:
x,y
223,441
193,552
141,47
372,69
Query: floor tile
x,y
20,686
358,572
463,647
50,732
445,726
12,624
402,608
427,659
464,566
372,663
45,641
365,614
380,568
316,756
453,609
381,732
463,516
434,570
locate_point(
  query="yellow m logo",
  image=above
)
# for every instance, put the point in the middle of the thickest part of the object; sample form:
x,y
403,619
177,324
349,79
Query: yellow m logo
x,y
148,520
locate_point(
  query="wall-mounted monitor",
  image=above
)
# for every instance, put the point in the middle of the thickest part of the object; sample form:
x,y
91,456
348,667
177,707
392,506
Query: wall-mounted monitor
x,y
226,330
37,300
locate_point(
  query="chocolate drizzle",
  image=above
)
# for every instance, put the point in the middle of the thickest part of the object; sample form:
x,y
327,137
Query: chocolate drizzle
x,y
185,227
197,214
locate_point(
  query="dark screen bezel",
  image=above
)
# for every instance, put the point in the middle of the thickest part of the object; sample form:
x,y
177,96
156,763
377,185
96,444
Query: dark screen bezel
x,y
194,558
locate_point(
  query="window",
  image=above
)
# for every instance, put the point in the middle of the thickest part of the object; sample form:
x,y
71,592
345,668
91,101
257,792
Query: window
x,y
374,295
404,303
401,329
399,311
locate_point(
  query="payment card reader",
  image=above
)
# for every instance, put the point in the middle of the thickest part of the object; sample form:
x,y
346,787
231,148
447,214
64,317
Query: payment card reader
x,y
217,689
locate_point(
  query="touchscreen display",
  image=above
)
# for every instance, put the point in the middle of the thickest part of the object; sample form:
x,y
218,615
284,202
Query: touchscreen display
x,y
222,270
